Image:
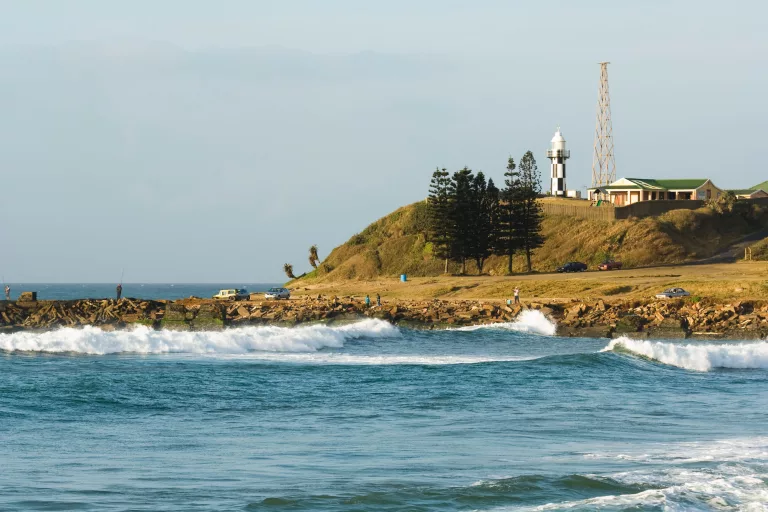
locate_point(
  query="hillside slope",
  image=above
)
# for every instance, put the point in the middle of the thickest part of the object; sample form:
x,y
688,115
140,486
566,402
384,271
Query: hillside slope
x,y
396,244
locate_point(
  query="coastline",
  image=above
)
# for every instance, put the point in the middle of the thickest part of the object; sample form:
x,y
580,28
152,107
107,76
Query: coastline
x,y
658,319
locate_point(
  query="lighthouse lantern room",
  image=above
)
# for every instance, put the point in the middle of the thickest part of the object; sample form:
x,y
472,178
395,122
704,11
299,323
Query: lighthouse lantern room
x,y
558,155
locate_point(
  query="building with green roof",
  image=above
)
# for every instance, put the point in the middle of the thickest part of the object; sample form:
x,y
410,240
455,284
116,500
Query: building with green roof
x,y
633,190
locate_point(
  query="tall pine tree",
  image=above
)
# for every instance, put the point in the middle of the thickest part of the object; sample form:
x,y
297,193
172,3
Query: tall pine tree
x,y
506,235
486,218
462,213
438,207
527,208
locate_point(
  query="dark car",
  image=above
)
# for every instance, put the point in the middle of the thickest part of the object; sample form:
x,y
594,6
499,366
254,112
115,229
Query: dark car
x,y
573,266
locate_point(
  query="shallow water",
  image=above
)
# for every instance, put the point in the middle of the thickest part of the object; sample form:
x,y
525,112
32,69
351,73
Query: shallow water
x,y
371,417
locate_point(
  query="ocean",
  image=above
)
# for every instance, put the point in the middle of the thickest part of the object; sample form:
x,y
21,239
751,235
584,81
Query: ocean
x,y
371,417
71,291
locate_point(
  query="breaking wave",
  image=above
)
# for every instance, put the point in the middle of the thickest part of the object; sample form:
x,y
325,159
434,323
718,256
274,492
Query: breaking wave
x,y
530,321
244,340
703,357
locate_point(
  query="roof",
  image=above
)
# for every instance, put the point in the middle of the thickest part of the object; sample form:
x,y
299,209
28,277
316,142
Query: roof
x,y
761,186
742,191
558,136
650,184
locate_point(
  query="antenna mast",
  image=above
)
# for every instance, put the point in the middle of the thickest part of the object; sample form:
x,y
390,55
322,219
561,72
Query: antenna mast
x,y
603,162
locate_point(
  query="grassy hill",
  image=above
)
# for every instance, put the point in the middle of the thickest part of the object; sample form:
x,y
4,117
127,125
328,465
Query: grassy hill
x,y
397,244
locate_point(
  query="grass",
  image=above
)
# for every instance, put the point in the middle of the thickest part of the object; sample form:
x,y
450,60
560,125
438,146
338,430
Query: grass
x,y
396,244
725,281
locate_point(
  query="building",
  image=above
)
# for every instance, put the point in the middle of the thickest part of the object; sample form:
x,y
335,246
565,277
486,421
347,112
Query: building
x,y
633,190
557,154
749,193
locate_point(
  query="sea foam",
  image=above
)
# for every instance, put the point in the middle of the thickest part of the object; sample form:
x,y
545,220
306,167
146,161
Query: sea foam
x,y
529,321
143,340
699,357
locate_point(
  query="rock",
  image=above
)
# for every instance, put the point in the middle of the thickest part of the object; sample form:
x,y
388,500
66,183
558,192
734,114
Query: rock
x,y
28,297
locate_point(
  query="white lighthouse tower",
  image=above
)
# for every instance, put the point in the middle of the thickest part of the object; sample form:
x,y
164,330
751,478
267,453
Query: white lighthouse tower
x,y
558,155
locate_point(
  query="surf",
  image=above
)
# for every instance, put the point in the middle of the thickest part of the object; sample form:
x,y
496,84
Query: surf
x,y
697,357
530,321
243,340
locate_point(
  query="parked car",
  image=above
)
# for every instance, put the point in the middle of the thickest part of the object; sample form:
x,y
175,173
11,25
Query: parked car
x,y
232,294
573,266
278,293
672,293
609,265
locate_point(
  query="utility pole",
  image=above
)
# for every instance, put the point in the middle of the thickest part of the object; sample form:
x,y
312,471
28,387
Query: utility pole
x,y
603,162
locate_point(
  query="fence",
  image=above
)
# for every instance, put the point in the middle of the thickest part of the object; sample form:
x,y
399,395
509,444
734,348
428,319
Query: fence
x,y
610,213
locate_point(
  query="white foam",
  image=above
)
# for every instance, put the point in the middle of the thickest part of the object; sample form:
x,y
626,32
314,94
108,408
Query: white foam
x,y
244,340
362,360
530,321
700,357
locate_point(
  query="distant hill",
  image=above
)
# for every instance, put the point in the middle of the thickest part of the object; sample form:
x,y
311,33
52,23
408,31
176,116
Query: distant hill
x,y
396,244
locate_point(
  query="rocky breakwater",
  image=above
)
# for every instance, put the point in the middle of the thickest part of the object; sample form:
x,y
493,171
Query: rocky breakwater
x,y
664,319
658,319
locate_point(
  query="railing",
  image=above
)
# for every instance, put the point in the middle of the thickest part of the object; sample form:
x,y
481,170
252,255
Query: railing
x,y
558,153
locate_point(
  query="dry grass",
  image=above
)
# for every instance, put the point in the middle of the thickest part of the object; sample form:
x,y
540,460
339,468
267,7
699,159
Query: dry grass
x,y
744,280
396,244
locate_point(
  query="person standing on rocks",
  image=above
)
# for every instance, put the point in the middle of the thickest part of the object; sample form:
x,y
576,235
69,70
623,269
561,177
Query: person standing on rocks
x,y
7,292
367,301
119,291
517,295
378,299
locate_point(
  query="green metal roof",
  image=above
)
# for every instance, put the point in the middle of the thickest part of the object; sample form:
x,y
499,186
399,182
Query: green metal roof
x,y
742,191
683,184
761,186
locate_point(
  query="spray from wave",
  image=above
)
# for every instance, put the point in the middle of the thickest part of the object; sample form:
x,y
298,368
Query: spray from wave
x,y
142,340
701,358
530,321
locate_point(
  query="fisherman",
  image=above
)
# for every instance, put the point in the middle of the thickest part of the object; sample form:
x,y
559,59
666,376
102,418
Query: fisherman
x,y
517,295
119,291
7,292
378,299
367,301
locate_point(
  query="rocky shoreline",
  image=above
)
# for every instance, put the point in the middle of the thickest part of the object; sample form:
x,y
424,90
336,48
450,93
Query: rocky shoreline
x,y
652,319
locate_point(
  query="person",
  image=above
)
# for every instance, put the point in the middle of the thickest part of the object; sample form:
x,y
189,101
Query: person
x,y
509,302
367,301
517,295
378,299
119,290
7,292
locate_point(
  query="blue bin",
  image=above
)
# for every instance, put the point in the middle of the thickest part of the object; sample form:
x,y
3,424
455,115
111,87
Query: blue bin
x,y
403,277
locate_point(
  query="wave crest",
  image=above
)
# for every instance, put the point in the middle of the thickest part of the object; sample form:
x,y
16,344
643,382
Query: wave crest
x,y
143,340
529,321
701,358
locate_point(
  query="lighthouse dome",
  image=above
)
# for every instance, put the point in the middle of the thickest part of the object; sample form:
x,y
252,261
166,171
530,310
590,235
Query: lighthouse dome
x,y
558,136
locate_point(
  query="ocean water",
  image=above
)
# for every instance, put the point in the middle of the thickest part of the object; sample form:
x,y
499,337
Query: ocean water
x,y
70,291
370,417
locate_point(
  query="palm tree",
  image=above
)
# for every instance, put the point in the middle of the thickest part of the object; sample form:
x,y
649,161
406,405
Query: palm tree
x,y
288,269
314,259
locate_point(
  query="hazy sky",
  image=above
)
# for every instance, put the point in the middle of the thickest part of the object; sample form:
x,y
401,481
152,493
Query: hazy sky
x,y
213,141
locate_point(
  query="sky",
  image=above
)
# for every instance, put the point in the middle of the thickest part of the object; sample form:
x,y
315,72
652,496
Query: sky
x,y
198,141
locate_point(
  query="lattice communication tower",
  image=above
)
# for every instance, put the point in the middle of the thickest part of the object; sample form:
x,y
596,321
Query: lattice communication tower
x,y
603,162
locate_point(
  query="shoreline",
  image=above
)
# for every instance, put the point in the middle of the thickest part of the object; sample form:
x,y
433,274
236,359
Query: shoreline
x,y
653,319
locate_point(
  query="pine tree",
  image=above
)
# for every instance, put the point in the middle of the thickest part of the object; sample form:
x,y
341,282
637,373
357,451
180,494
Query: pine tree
x,y
438,207
493,201
483,232
506,236
462,216
527,208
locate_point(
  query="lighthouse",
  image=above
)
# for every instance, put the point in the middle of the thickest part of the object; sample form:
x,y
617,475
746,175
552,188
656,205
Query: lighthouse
x,y
558,155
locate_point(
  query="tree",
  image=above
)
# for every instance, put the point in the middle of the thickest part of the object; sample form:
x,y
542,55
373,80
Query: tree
x,y
288,269
461,214
506,235
527,208
482,235
493,213
438,208
313,257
